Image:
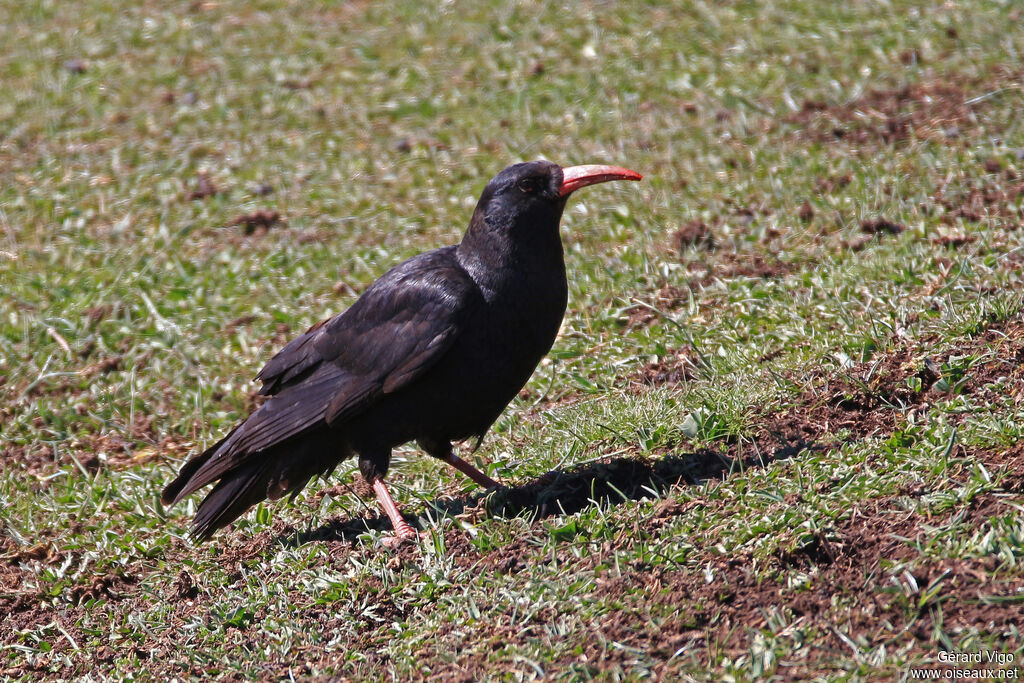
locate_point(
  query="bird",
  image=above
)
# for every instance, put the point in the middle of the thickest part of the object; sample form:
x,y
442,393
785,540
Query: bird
x,y
432,352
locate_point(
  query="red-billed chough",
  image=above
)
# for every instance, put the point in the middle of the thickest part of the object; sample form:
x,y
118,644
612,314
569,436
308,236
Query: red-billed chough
x,y
432,352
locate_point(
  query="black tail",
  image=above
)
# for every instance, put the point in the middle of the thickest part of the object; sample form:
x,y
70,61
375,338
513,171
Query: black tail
x,y
237,492
255,477
176,490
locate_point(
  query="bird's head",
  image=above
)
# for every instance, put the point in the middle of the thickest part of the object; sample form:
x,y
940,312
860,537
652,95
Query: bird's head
x,y
531,196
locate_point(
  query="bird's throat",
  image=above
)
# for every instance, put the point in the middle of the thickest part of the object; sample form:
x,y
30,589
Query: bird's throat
x,y
514,266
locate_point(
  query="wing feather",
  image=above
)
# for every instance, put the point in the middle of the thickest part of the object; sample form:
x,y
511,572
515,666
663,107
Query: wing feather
x,y
394,333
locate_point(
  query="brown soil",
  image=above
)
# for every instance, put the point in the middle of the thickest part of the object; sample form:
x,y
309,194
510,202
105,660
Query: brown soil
x,y
665,299
675,367
881,225
203,187
937,110
693,233
975,204
735,265
257,222
833,183
806,212
723,266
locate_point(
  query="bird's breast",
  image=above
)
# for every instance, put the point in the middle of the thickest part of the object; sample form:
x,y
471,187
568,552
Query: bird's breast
x,y
514,331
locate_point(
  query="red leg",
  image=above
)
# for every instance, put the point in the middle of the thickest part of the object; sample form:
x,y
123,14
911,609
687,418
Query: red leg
x,y
402,528
470,471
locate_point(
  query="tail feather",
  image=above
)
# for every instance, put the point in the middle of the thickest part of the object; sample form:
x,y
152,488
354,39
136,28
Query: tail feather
x,y
230,498
186,482
271,474
289,417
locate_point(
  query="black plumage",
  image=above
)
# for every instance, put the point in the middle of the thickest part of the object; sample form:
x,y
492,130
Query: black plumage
x,y
433,351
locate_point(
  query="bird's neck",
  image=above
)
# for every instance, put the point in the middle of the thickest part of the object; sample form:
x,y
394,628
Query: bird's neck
x,y
514,263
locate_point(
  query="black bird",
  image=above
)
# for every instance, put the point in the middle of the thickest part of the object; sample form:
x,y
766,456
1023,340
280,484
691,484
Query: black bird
x,y
433,351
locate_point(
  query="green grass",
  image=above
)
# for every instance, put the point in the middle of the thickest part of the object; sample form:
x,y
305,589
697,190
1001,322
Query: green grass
x,y
132,318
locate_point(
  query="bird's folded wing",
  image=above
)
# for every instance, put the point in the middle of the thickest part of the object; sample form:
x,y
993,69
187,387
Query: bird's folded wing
x,y
399,327
394,333
291,362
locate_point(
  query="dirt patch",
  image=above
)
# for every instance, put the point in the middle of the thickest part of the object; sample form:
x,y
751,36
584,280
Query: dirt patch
x,y
985,201
873,229
878,226
693,233
674,367
33,459
938,110
703,274
738,265
954,241
256,223
203,187
829,184
28,614
870,398
665,299
806,212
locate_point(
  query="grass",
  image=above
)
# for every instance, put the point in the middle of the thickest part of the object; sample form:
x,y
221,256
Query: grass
x,y
133,317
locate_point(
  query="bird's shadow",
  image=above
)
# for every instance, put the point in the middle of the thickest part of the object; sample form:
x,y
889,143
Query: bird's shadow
x,y
607,482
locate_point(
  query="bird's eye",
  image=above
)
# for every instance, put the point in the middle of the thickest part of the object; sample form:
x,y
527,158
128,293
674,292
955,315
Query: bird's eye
x,y
528,185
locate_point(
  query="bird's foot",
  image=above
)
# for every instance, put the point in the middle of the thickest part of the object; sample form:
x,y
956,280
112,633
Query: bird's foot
x,y
398,540
403,530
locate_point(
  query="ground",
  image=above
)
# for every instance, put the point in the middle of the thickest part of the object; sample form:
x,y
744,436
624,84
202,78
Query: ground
x,y
779,435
